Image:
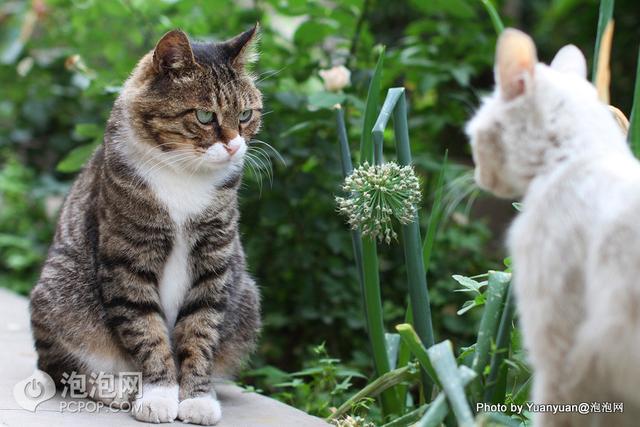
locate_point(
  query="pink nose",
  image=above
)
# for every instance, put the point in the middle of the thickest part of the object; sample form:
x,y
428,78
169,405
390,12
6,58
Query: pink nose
x,y
231,149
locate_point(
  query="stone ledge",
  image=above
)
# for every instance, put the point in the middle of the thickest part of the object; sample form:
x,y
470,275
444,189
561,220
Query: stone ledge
x,y
17,361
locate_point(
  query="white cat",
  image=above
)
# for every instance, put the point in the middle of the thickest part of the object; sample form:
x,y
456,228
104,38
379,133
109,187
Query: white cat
x,y
544,135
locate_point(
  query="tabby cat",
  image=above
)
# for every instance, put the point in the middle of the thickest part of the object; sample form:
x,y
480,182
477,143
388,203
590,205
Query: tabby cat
x,y
146,271
544,135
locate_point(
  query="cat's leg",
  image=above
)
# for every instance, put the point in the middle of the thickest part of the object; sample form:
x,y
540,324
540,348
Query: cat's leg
x,y
215,331
133,310
196,335
239,331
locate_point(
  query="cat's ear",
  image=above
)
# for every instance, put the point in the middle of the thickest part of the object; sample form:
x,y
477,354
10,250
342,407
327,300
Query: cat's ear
x,y
242,50
570,59
173,52
515,63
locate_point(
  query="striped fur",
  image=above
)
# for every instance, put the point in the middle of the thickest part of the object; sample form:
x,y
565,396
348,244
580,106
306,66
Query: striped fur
x,y
146,271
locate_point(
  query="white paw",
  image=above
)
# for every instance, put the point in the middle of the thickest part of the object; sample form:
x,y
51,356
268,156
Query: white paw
x,y
203,410
158,404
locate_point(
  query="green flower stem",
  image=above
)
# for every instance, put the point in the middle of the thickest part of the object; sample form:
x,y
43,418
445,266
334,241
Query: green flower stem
x,y
373,301
373,389
417,277
606,14
365,252
491,393
395,104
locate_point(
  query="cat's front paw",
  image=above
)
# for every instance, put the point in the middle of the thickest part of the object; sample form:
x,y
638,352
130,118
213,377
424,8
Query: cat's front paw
x,y
204,410
158,404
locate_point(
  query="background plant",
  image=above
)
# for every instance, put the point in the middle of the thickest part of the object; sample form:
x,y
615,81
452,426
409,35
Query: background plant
x,y
62,63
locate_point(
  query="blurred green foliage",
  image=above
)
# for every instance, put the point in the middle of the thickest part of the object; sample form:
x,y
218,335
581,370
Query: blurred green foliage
x,y
62,63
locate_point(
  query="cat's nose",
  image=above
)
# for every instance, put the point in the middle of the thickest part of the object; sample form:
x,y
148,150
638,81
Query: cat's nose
x,y
234,145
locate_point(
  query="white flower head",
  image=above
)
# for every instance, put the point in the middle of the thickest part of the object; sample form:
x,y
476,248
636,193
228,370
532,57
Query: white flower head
x,y
336,78
377,194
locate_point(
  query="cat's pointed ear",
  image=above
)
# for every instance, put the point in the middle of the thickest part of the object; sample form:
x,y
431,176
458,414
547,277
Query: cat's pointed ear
x,y
173,52
570,59
515,63
242,50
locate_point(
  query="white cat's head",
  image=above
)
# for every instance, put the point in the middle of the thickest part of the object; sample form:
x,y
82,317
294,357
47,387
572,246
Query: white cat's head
x,y
534,117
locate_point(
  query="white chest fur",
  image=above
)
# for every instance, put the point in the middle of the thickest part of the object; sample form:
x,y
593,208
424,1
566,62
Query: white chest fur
x,y
184,197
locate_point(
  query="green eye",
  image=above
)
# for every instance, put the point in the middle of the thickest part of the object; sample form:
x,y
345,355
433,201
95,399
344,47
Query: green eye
x,y
245,116
204,117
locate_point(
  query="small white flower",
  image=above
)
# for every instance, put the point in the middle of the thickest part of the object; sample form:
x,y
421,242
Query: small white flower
x,y
336,78
377,195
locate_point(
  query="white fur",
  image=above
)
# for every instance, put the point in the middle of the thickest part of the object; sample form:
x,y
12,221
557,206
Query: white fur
x,y
576,245
158,404
204,410
175,278
185,187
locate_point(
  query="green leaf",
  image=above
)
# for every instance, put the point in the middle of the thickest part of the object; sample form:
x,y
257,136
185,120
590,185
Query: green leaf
x,y
435,217
498,26
371,112
314,31
606,14
410,337
468,284
74,160
444,362
393,345
87,130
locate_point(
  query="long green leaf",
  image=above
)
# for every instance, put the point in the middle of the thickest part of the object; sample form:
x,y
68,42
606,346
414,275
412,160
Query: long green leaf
x,y
493,392
493,14
438,408
444,363
606,14
495,295
416,275
435,217
371,112
409,336
634,121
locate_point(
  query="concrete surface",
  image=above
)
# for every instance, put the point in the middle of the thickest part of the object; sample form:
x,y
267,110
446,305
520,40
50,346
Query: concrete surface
x,y
17,362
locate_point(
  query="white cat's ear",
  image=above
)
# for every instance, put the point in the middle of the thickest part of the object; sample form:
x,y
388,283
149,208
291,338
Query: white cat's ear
x,y
570,59
515,63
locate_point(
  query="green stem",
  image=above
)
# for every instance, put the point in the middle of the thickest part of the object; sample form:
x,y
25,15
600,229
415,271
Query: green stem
x,y
367,263
416,275
373,303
